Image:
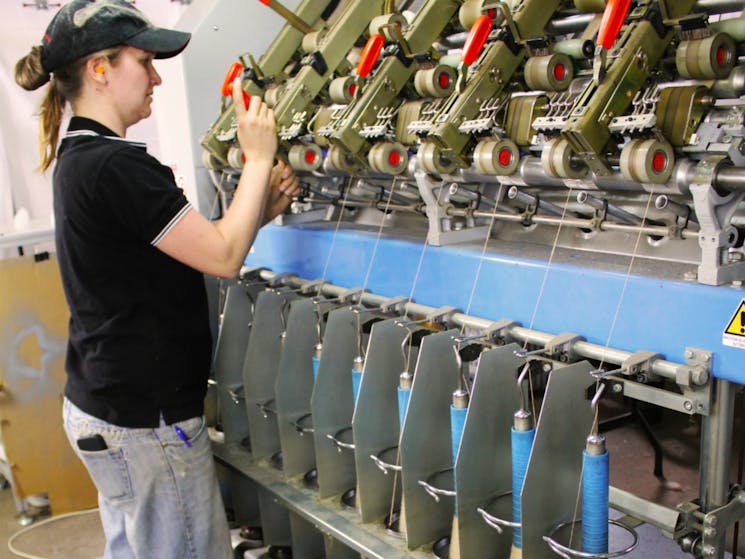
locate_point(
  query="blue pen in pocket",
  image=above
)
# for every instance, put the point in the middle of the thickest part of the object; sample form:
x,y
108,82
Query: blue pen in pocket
x,y
182,435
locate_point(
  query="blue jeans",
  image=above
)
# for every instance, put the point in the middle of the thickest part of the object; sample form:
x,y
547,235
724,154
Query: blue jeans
x,y
158,497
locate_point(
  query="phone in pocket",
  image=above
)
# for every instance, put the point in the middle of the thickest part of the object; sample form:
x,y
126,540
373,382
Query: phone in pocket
x,y
92,443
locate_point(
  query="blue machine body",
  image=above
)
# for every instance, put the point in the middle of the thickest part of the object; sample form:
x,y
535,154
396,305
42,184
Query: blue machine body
x,y
655,314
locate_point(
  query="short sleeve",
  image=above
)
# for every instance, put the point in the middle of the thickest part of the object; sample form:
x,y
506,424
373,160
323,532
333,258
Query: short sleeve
x,y
141,194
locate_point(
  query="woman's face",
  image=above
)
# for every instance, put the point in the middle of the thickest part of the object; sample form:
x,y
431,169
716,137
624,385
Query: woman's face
x,y
133,78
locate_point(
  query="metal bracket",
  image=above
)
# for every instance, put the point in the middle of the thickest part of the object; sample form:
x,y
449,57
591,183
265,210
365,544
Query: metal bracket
x,y
396,305
640,364
561,344
314,286
717,234
441,230
349,295
717,521
441,315
281,280
500,331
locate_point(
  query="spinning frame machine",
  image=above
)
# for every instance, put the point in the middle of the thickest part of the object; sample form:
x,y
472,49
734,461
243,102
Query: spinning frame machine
x,y
511,211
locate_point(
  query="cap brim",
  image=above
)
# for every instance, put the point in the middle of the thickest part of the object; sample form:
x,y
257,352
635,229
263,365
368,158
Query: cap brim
x,y
164,43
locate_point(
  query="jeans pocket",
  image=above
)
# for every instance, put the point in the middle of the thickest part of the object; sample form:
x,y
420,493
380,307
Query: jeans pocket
x,y
109,471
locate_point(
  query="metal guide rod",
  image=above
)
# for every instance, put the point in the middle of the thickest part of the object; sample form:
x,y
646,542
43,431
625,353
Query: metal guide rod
x,y
666,369
289,15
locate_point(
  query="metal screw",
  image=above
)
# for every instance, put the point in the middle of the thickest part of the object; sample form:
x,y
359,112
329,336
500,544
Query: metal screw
x,y
618,388
688,405
689,354
711,520
710,532
709,551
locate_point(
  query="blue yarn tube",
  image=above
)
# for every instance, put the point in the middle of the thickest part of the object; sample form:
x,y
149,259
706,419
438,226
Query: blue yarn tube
x,y
595,502
316,362
457,422
356,380
522,443
403,403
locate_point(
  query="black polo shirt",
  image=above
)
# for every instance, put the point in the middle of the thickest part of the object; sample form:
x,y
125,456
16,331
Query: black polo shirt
x,y
139,340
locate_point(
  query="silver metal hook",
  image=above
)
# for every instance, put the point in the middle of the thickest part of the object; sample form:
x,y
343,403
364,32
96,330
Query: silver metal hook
x,y
522,353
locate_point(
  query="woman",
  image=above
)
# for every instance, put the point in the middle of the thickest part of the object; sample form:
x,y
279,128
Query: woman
x,y
132,251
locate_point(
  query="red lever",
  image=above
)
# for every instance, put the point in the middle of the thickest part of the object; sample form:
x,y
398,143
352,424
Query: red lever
x,y
370,54
476,38
613,18
233,72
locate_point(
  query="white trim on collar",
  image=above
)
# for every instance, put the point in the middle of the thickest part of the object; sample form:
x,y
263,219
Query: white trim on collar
x,y
79,133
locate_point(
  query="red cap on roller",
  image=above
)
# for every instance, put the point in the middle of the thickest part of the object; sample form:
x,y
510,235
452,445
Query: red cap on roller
x,y
476,38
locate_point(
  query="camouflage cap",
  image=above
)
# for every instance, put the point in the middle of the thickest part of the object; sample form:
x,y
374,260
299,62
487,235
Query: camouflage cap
x,y
82,27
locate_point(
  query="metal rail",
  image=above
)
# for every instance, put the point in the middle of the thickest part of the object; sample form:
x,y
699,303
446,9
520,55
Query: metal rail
x,y
667,369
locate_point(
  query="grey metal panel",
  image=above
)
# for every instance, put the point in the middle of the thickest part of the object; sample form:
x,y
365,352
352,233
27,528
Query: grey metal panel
x,y
375,423
260,372
230,354
275,519
332,405
552,481
484,467
307,542
425,441
295,385
371,540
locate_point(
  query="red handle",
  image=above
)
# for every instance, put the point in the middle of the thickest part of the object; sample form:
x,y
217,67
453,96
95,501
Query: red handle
x,y
613,18
233,72
370,54
476,38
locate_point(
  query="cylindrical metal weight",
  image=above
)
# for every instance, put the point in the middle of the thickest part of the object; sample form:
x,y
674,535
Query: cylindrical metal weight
x,y
706,59
496,157
647,160
235,157
433,161
305,157
435,82
390,158
553,72
342,90
557,161
339,160
382,24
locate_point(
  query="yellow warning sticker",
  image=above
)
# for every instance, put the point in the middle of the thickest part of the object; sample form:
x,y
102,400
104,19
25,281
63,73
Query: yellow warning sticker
x,y
734,333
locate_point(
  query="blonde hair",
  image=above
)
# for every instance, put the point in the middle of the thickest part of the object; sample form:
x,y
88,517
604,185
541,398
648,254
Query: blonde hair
x,y
64,86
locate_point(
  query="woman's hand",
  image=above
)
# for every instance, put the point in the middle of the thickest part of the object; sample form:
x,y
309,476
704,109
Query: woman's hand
x,y
257,130
284,186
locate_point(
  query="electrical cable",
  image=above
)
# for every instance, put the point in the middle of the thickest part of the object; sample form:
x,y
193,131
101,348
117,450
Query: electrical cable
x,y
44,522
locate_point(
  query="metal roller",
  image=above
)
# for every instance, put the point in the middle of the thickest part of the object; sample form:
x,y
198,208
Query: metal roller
x,y
305,157
496,157
553,72
469,12
435,82
706,59
433,161
382,24
273,95
210,161
388,157
342,90
647,160
590,6
235,157
558,160
339,160
311,41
